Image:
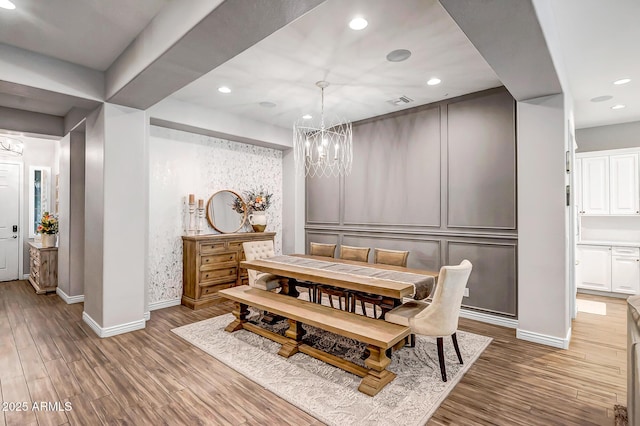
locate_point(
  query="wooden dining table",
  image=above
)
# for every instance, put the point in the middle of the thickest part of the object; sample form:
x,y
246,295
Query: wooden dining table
x,y
393,286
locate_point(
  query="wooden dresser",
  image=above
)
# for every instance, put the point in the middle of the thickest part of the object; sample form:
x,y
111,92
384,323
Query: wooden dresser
x,y
43,266
211,263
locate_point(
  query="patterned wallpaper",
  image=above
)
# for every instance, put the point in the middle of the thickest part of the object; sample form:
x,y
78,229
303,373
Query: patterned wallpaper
x,y
181,163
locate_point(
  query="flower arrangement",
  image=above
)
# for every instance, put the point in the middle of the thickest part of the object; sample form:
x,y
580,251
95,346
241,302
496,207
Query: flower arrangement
x,y
48,224
257,200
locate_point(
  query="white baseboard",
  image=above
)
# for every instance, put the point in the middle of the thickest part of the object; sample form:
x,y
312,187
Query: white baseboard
x,y
604,293
25,276
113,330
489,318
147,316
69,299
164,304
543,339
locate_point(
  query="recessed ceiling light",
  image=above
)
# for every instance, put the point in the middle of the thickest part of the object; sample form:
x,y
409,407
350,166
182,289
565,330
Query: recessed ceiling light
x,y
307,116
622,81
398,55
6,4
358,23
601,98
224,89
267,104
433,81
619,106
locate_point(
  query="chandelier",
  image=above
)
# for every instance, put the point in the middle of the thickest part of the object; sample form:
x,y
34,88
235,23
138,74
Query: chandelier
x,y
10,146
325,148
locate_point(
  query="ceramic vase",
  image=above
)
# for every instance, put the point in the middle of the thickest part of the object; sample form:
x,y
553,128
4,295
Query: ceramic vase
x,y
49,240
258,221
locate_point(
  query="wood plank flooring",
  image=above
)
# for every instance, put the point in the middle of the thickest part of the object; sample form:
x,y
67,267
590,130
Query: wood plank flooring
x,y
153,377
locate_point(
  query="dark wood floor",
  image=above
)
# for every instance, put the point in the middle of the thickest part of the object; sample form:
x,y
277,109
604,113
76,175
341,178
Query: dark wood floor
x,y
153,377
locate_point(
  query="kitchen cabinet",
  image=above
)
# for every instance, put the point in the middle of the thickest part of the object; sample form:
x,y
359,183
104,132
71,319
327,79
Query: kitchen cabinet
x,y
595,267
625,270
608,268
595,185
624,195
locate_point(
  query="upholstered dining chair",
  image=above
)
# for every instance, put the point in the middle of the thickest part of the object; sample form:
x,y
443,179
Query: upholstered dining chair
x,y
440,318
390,257
317,249
255,250
385,257
324,250
359,254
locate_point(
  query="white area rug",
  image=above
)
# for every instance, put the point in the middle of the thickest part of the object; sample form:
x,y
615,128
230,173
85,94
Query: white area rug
x,y
331,394
591,307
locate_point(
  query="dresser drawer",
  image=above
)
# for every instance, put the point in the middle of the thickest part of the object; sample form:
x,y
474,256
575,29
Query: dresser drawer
x,y
206,248
219,274
210,290
218,260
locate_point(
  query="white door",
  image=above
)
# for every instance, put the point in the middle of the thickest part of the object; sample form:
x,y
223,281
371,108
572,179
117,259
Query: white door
x,y
624,184
595,267
9,214
625,270
595,188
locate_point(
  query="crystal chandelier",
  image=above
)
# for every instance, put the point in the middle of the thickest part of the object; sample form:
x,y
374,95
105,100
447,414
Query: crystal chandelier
x,y
325,149
10,146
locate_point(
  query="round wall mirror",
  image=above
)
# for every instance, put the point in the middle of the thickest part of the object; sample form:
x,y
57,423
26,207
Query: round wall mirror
x,y
226,212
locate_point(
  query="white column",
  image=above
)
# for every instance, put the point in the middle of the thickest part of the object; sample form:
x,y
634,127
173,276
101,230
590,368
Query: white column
x,y
293,208
116,212
543,228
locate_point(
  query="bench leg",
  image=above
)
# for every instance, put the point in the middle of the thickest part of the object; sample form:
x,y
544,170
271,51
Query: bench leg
x,y
240,312
378,376
294,333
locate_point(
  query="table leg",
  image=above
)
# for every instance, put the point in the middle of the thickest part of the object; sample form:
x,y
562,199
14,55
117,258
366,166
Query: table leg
x,y
240,312
291,288
378,376
294,333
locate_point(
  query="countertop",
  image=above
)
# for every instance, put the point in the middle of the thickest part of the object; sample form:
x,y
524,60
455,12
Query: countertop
x,y
608,243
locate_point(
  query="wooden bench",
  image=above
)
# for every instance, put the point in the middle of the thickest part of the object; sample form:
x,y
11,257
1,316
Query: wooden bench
x,y
378,335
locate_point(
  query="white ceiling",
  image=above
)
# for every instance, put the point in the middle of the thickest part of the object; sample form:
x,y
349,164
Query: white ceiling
x,y
91,33
599,43
284,67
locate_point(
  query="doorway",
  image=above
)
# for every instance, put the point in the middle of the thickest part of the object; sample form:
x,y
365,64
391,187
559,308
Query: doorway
x,y
9,221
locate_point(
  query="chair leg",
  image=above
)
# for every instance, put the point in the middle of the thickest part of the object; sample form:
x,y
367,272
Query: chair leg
x,y
455,345
443,369
364,310
375,314
331,300
412,340
340,302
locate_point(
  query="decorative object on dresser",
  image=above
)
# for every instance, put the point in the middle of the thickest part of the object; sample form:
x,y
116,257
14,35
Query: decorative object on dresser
x,y
48,227
211,263
226,211
258,201
43,264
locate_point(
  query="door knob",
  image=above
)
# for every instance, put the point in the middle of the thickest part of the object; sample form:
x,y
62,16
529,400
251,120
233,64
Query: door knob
x,y
15,236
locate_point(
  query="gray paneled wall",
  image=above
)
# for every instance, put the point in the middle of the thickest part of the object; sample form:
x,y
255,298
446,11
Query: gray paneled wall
x,y
439,181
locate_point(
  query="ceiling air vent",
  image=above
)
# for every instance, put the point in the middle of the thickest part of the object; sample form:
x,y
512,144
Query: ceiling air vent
x,y
402,100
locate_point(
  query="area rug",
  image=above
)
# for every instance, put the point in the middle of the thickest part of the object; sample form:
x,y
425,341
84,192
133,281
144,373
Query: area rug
x,y
330,394
620,412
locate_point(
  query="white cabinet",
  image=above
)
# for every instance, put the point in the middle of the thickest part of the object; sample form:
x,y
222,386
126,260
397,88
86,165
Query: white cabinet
x,y
578,185
624,193
595,185
625,270
610,269
595,267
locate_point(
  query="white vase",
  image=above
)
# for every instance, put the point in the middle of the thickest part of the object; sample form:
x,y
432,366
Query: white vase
x,y
258,221
49,240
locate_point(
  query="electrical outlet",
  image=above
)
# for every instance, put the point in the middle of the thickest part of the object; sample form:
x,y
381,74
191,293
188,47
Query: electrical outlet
x,y
466,292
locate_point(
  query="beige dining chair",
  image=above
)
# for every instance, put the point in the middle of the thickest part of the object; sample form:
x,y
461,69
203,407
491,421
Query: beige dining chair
x,y
324,250
359,254
390,257
255,250
384,257
440,318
